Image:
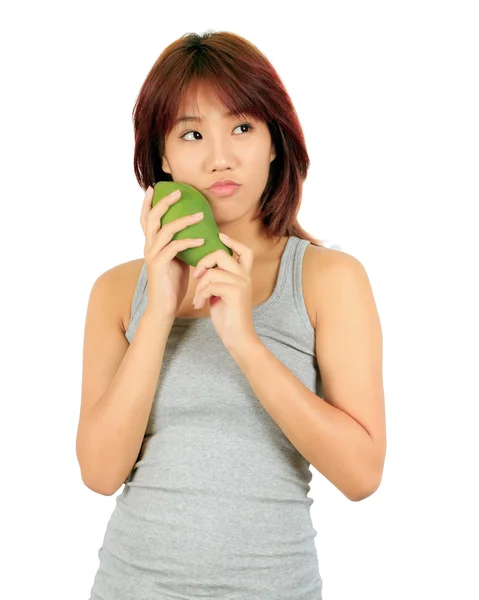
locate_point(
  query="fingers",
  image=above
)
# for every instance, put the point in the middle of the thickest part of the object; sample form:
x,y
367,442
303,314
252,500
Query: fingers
x,y
228,286
157,237
158,210
220,258
245,253
166,233
146,207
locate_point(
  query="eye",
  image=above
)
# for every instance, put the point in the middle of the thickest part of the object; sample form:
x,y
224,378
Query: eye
x,y
245,125
193,131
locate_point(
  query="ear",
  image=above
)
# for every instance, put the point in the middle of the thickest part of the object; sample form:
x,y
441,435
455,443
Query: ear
x,y
165,165
273,153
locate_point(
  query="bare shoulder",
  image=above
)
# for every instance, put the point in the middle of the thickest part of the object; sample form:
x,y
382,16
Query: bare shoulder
x,y
322,271
123,279
327,258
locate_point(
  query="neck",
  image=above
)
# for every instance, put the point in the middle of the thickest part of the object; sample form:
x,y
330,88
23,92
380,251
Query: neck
x,y
253,237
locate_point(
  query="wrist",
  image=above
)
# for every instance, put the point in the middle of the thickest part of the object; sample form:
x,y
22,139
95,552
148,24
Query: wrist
x,y
157,320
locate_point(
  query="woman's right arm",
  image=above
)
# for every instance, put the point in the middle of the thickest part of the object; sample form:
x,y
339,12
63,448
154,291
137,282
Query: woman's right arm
x,y
118,386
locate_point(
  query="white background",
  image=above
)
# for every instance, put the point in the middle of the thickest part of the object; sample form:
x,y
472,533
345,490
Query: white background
x,y
387,94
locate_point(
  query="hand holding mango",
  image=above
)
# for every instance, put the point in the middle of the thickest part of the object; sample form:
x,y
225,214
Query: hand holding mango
x,y
190,202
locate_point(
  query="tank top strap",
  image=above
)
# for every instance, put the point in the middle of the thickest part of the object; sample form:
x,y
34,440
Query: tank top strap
x,y
139,295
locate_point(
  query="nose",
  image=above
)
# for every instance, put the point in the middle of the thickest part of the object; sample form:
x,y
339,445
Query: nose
x,y
220,152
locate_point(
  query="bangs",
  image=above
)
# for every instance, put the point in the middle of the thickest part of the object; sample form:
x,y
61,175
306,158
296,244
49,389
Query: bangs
x,y
246,84
236,99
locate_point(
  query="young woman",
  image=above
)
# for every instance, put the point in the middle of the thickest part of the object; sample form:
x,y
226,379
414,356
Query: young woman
x,y
207,391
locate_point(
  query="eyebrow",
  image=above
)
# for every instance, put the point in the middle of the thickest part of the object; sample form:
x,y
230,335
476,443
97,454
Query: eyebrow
x,y
192,118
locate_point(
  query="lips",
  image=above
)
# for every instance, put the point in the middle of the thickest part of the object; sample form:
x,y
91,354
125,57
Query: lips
x,y
223,190
223,184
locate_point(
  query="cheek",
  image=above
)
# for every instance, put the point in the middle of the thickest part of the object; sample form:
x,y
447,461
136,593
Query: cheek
x,y
258,167
183,165
255,158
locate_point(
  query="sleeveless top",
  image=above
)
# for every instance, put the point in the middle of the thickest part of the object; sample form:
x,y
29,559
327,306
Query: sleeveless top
x,y
216,505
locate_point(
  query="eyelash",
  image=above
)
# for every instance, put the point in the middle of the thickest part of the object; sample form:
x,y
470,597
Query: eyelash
x,y
194,130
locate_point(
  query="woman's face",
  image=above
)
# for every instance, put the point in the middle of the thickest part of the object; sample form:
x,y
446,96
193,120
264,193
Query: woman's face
x,y
219,147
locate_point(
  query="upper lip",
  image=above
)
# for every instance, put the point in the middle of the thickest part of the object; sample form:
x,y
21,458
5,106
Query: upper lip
x,y
223,182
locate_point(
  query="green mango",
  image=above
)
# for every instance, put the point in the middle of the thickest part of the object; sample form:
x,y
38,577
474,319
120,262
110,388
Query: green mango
x,y
191,201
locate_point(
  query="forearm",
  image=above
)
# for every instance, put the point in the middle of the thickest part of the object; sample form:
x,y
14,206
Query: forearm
x,y
333,442
112,432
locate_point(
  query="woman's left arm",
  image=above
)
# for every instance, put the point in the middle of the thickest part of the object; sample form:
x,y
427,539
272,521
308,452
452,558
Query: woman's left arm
x,y
343,435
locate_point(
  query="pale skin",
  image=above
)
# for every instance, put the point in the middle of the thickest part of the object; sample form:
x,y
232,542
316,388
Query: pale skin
x,y
223,150
343,435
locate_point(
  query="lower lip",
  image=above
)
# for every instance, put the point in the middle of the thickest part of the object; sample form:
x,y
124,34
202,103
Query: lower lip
x,y
224,190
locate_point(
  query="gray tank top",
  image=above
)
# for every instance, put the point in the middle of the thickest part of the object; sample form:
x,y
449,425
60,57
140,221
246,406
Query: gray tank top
x,y
217,505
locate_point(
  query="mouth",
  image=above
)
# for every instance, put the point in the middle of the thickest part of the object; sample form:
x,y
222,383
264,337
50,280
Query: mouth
x,y
223,190
223,183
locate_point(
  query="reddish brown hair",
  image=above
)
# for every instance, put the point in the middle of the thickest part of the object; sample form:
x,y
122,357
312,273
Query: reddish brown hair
x,y
247,84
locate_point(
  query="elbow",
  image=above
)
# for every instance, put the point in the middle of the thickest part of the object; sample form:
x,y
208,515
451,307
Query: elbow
x,y
365,491
101,487
361,496
371,481
96,479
